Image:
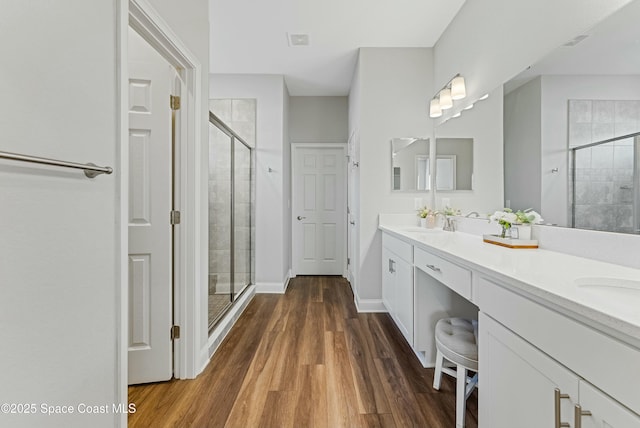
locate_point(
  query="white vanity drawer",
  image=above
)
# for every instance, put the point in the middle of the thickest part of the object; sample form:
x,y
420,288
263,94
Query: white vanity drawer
x,y
453,276
402,249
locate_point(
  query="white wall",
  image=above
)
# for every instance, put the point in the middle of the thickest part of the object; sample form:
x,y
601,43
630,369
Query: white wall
x,y
319,119
491,41
271,151
483,123
523,146
58,275
393,86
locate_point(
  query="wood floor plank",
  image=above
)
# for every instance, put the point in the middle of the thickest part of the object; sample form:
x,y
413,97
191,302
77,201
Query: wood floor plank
x,y
343,411
248,407
278,410
305,359
404,406
373,420
369,390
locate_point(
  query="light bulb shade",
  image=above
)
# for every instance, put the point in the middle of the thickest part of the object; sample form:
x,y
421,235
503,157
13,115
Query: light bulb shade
x,y
458,89
434,108
445,99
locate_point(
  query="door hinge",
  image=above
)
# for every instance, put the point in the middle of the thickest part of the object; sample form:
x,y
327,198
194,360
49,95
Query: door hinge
x,y
174,102
175,217
348,261
175,332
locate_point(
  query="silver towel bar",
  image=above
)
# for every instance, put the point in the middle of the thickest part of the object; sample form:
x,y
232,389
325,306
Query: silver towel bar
x,y
90,170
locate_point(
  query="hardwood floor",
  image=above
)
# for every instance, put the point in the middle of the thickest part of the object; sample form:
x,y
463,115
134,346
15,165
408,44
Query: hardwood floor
x,y
305,359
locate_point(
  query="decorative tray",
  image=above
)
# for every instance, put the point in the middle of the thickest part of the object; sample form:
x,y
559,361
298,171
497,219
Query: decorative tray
x,y
510,243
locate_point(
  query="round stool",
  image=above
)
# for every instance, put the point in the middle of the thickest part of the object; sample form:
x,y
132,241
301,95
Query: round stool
x,y
456,341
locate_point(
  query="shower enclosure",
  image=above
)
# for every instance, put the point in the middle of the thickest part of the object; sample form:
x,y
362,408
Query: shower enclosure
x,y
230,217
605,191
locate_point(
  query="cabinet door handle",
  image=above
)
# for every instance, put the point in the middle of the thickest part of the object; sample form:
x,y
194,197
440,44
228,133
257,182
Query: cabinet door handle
x,y
391,266
557,395
434,268
579,413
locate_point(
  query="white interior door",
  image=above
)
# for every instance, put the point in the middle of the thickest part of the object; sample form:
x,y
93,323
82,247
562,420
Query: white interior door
x,y
319,210
150,204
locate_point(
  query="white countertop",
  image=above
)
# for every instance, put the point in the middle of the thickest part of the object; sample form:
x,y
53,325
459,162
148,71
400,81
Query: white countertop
x,y
548,276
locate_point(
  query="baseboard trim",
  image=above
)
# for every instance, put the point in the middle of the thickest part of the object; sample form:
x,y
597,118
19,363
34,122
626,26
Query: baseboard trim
x,y
369,305
273,287
224,326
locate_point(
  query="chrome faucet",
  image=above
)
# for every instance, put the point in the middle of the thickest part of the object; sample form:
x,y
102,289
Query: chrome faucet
x,y
473,213
449,224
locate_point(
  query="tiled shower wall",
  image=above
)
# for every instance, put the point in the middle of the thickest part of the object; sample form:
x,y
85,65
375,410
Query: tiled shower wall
x,y
592,121
604,174
240,116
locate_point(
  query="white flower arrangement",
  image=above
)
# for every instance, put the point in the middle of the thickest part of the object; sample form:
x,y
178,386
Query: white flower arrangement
x,y
507,217
448,211
426,212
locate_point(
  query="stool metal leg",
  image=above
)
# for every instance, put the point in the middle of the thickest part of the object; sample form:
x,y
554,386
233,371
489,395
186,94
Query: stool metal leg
x,y
461,395
437,375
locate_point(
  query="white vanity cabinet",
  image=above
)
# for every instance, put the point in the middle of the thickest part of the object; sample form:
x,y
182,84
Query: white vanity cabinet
x,y
549,354
520,383
525,381
397,283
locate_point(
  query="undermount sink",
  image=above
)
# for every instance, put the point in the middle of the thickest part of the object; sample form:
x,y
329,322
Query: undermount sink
x,y
419,229
621,290
604,282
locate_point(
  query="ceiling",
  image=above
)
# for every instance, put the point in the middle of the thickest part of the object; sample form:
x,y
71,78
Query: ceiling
x,y
250,36
611,47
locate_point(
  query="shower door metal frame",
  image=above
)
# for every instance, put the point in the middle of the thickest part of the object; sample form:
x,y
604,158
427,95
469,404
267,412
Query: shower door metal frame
x,y
215,120
636,177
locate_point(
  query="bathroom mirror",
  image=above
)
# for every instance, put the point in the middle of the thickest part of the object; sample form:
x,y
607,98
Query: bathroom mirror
x,y
410,164
454,164
411,168
585,94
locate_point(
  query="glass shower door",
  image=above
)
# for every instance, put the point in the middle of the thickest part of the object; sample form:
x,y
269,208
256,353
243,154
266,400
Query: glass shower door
x,y
230,218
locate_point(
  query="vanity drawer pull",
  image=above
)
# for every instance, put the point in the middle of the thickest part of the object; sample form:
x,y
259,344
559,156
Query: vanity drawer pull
x,y
442,270
579,413
434,268
557,395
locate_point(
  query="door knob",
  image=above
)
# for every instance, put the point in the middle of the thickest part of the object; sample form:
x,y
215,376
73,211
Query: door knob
x,y
300,217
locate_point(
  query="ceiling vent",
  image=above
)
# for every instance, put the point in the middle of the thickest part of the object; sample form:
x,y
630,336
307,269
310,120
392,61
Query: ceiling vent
x,y
298,39
576,40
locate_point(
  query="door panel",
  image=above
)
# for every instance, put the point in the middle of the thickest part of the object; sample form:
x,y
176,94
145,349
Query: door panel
x,y
150,203
319,209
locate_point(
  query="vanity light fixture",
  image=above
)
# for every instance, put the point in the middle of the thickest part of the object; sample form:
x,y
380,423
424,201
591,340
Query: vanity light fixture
x,y
454,90
458,89
434,108
446,102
